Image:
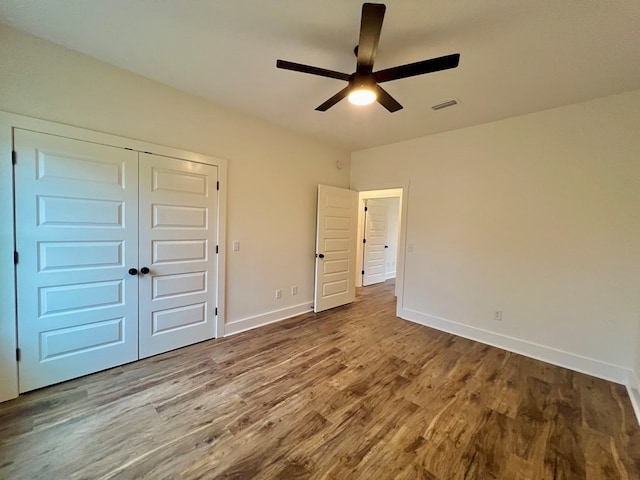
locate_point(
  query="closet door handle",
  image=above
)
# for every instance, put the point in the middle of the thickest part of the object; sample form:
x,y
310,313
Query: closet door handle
x,y
320,255
133,271
144,270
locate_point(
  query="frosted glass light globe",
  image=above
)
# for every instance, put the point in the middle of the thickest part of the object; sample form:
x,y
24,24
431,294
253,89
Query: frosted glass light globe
x,y
362,96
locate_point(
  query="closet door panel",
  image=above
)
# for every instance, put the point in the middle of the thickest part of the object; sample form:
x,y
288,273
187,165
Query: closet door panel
x,y
178,232
77,235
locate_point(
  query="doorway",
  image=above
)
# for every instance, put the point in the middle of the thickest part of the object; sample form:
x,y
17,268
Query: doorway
x,y
379,236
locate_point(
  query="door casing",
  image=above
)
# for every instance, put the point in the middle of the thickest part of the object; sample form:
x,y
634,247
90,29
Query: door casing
x,y
394,188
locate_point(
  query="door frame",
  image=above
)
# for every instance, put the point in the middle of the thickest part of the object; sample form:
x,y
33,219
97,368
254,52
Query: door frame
x,y
8,317
386,190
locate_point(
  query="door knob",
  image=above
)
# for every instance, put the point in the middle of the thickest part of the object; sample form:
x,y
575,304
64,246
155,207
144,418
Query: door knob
x,y
133,271
320,255
144,270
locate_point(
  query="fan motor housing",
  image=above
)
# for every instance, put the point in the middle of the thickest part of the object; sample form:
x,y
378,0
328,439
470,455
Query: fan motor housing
x,y
362,81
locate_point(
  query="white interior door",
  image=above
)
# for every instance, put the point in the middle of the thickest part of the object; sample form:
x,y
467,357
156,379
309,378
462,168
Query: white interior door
x,y
77,235
178,234
335,247
374,251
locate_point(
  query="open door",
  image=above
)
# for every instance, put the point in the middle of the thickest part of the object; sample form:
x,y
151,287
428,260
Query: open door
x,y
335,247
374,247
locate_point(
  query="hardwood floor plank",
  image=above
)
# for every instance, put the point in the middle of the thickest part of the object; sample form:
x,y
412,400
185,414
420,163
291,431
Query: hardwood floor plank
x,y
352,393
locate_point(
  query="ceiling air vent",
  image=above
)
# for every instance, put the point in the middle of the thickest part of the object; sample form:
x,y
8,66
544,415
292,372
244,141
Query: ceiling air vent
x,y
448,103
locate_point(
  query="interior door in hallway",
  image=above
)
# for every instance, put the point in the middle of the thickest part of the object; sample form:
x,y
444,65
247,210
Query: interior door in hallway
x,y
335,247
374,251
77,235
178,235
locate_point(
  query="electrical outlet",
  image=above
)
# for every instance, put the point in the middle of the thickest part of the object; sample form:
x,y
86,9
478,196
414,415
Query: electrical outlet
x,y
497,315
278,294
294,290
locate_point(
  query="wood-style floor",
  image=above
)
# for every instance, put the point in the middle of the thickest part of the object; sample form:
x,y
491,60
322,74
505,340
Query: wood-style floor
x,y
350,393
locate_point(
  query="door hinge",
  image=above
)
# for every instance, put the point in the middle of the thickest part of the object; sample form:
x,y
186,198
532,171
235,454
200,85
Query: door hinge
x,y
362,272
364,240
14,157
18,355
15,258
217,185
216,311
216,248
366,209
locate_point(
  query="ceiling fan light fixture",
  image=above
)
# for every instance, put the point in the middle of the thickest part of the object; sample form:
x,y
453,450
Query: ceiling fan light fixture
x,y
362,96
364,84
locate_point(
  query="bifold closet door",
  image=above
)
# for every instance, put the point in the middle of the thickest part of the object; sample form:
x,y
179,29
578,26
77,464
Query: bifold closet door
x,y
117,256
178,235
77,236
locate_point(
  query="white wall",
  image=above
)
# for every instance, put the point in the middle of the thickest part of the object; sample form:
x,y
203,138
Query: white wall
x,y
273,173
536,215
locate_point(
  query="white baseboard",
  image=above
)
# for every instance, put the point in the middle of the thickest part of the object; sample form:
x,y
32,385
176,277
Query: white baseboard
x,y
590,366
256,321
389,275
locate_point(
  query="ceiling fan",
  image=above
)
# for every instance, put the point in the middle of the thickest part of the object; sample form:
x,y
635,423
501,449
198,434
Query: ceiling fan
x,y
364,87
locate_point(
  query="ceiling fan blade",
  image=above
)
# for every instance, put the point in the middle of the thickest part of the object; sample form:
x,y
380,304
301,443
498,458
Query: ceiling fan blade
x,y
386,100
323,72
418,68
370,28
333,100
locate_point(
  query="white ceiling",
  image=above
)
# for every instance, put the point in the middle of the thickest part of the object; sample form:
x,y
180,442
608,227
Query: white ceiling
x,y
517,56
